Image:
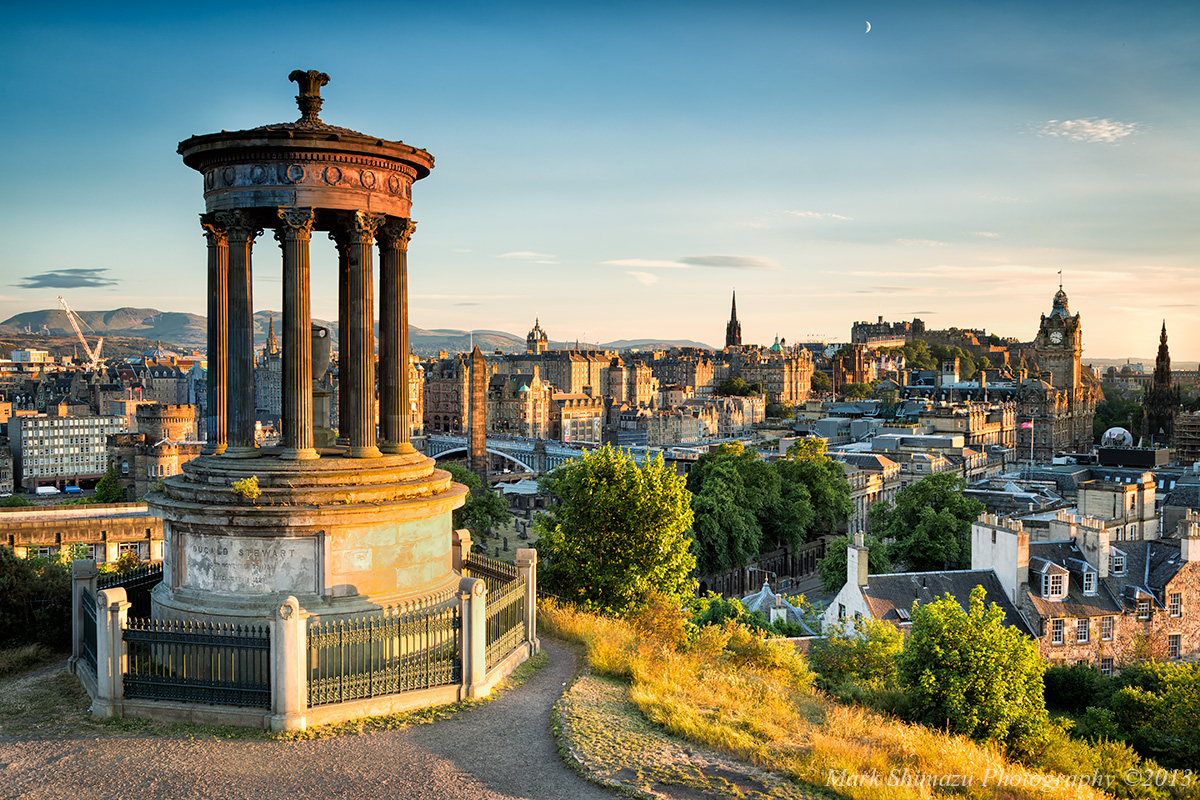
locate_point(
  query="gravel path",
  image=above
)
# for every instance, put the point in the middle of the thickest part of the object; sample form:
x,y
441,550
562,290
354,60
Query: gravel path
x,y
495,751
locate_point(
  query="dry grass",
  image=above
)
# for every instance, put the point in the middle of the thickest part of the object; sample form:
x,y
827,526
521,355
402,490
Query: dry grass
x,y
753,700
16,660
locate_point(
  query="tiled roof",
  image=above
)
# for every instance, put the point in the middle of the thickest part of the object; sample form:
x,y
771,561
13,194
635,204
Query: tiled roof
x,y
889,595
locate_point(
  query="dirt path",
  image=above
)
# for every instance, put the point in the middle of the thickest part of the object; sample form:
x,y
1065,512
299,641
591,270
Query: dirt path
x,y
494,751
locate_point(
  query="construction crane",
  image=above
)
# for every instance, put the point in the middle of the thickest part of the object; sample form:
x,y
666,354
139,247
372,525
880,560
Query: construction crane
x,y
94,363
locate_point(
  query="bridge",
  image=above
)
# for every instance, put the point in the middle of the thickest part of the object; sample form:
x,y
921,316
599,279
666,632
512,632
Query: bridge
x,y
537,455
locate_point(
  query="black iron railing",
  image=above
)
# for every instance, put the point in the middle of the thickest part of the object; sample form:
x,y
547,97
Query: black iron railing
x,y
415,646
198,662
495,574
505,620
137,583
87,647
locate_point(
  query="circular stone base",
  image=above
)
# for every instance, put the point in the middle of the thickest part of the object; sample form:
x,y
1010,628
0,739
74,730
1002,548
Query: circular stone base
x,y
344,536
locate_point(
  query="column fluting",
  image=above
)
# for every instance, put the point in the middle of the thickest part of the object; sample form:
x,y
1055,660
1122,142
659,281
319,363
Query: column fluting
x,y
342,241
294,234
241,230
394,412
218,336
360,227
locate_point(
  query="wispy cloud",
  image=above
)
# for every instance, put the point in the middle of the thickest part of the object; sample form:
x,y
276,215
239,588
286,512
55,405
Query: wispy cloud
x,y
816,215
1092,129
985,234
644,278
75,278
920,243
646,263
731,262
529,255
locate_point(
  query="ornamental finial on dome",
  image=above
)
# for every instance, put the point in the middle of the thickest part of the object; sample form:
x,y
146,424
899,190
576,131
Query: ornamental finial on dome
x,y
309,99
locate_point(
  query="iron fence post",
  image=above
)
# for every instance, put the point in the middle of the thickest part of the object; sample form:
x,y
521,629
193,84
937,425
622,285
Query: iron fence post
x,y
527,571
460,547
112,611
83,577
289,659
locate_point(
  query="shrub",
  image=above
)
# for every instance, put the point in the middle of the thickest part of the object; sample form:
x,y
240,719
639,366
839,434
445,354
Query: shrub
x,y
1076,687
37,601
247,488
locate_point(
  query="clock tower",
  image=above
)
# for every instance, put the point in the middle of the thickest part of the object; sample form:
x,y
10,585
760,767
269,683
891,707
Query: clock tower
x,y
1059,345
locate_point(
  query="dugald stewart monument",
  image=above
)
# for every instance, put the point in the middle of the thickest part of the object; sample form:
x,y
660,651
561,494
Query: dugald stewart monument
x,y
340,551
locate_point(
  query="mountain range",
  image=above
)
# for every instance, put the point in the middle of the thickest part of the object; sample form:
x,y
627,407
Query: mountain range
x,y
189,331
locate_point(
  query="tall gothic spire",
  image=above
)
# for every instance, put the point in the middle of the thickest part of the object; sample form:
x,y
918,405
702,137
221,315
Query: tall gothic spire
x,y
733,331
272,342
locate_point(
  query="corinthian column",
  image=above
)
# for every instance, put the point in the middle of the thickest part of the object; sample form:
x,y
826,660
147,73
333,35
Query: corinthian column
x,y
360,348
393,335
294,234
218,334
242,230
342,242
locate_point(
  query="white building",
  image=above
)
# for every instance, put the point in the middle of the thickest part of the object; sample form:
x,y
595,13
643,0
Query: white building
x,y
50,451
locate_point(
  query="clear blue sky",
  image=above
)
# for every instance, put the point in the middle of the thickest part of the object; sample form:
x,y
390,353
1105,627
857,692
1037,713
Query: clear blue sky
x,y
616,169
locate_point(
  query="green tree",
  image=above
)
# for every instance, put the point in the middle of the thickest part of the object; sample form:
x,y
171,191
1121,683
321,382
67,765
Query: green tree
x,y
14,501
929,524
615,531
108,489
482,509
863,651
824,480
969,672
737,387
37,600
856,390
821,382
732,490
833,565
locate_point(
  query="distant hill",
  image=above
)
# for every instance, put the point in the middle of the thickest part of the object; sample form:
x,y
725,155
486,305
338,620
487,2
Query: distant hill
x,y
189,332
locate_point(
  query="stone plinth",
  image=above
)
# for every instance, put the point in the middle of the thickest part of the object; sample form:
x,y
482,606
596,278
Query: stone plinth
x,y
343,536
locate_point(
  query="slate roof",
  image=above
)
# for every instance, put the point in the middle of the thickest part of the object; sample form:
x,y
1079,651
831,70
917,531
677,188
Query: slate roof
x,y
870,461
1149,566
889,595
764,600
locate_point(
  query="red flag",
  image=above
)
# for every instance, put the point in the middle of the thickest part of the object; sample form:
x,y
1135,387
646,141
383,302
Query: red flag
x,y
1026,425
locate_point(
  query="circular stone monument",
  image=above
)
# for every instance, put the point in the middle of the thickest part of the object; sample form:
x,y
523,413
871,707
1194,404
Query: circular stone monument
x,y
344,529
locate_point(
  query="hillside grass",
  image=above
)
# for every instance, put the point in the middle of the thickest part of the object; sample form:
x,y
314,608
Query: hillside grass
x,y
728,689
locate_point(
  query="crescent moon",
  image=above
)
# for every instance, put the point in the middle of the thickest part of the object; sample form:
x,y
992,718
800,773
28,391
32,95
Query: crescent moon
x,y
868,26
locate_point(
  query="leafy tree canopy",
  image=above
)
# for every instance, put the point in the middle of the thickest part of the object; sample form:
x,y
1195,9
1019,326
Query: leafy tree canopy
x,y
108,489
736,387
14,501
821,382
833,565
482,509
806,464
616,531
971,673
929,524
856,390
862,650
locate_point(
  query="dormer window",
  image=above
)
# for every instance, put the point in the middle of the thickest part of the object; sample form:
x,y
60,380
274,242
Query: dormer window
x,y
1116,563
1143,609
1089,582
1052,585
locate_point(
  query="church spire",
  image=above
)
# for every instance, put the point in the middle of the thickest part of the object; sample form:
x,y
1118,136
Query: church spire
x,y
733,331
272,343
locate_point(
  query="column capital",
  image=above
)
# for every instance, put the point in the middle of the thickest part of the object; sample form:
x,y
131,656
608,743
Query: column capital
x,y
360,226
295,223
396,232
215,234
239,224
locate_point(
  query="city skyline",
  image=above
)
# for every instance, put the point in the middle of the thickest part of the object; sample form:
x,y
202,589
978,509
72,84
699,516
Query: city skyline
x,y
617,171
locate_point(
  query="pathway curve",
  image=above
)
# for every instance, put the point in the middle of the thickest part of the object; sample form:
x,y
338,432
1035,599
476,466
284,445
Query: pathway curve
x,y
495,751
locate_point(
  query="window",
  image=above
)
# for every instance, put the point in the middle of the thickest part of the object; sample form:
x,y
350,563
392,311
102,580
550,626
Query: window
x,y
1083,630
1106,629
1116,563
1056,631
1143,608
1089,582
1173,646
841,611
1176,604
1052,586
1106,665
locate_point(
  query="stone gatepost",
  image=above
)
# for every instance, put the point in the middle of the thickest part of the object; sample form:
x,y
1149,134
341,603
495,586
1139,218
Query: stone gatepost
x,y
527,570
83,576
472,599
289,657
460,547
112,611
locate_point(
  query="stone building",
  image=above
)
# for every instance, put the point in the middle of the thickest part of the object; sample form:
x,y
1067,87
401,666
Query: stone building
x,y
165,440
631,381
105,532
980,424
1187,438
576,418
1058,406
784,372
873,478
1090,599
733,329
687,367
447,395
268,377
519,405
537,342
6,467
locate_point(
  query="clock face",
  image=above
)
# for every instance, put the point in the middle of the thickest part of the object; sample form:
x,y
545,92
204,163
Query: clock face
x,y
1056,337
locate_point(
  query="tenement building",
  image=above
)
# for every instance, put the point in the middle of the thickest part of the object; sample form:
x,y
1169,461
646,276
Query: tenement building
x,y
60,451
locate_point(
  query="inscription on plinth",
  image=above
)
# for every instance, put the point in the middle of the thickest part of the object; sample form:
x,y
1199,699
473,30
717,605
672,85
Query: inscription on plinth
x,y
250,565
